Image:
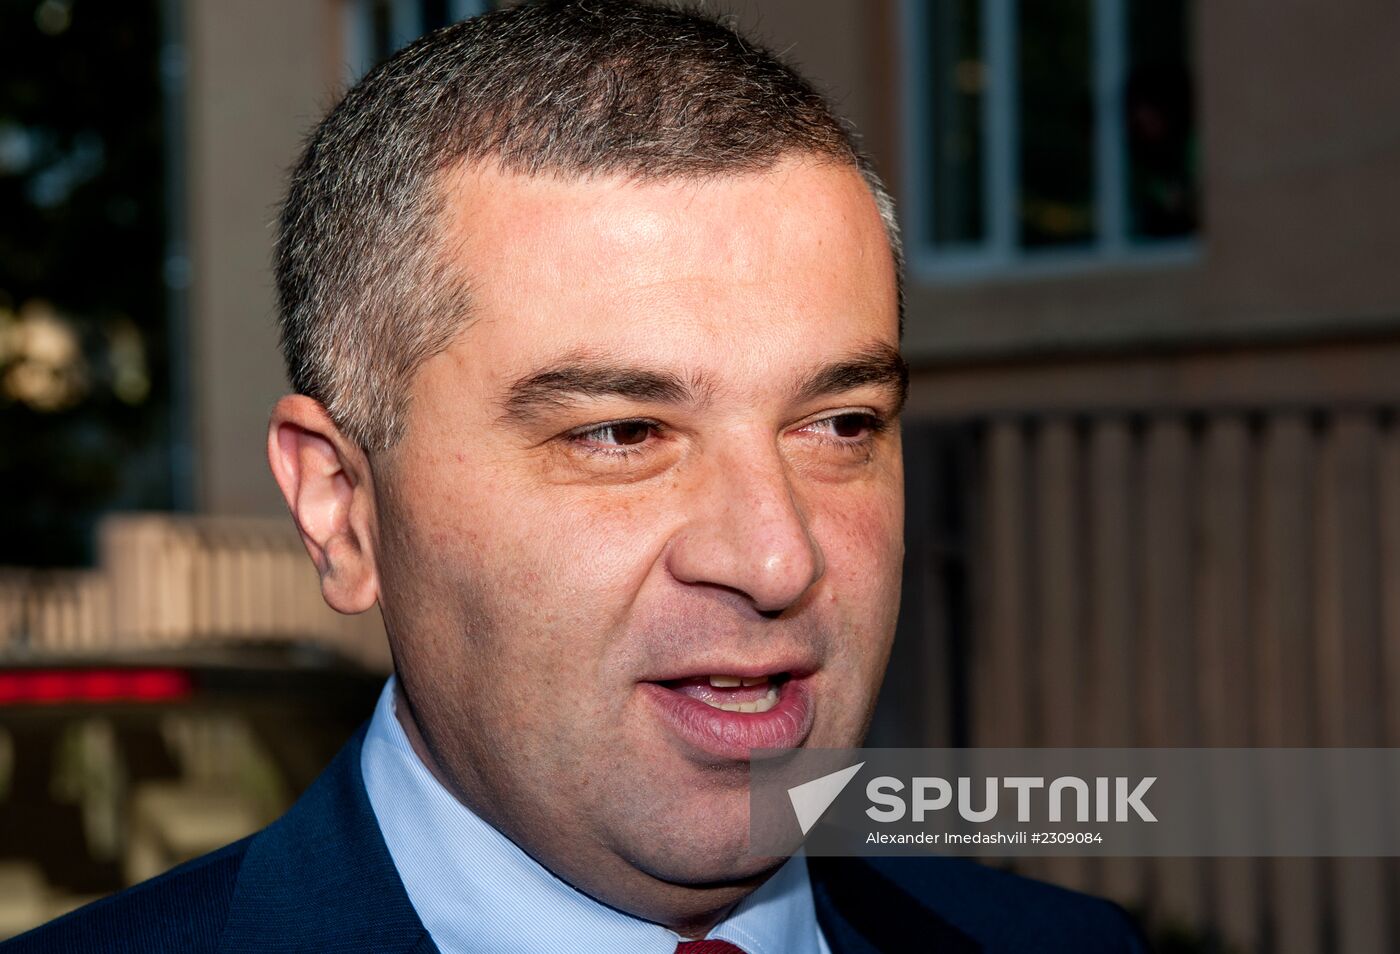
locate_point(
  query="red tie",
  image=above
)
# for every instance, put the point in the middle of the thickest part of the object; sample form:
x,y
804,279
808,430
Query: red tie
x,y
708,947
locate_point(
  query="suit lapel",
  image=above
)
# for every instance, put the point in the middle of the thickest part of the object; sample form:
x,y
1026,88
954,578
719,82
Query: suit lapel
x,y
863,912
321,879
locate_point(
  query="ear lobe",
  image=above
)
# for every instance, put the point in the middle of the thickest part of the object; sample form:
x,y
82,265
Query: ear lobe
x,y
325,480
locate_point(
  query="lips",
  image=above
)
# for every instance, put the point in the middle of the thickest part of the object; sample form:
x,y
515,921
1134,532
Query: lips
x,y
718,717
731,693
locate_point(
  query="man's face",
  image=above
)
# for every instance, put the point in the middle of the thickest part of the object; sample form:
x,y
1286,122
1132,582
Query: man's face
x,y
664,449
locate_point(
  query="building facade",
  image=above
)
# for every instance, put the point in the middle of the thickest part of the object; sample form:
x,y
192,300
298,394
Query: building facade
x,y
1154,322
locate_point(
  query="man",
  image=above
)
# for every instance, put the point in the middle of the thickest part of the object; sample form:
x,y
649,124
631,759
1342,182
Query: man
x,y
592,312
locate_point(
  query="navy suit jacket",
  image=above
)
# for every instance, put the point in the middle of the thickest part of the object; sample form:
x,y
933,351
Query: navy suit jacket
x,y
320,879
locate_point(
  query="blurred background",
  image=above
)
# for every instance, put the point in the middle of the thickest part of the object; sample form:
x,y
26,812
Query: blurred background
x,y
1153,457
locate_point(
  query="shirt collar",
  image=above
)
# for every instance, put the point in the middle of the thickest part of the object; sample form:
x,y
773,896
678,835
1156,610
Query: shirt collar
x,y
476,890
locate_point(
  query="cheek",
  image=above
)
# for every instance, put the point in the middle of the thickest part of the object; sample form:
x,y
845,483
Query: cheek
x,y
862,538
861,532
564,568
601,546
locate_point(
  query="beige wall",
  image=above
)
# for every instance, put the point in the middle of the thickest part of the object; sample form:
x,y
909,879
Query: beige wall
x,y
1302,106
831,41
260,72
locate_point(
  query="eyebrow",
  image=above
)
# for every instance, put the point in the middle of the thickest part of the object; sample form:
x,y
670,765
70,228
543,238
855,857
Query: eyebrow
x,y
879,366
583,376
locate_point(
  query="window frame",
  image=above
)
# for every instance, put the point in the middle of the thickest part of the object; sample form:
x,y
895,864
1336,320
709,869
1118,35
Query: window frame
x,y
999,254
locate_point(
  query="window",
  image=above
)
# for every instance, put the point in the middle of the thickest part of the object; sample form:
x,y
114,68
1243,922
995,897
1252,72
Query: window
x,y
1047,134
376,29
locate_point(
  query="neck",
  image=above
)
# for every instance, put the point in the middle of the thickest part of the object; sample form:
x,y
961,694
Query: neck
x,y
691,911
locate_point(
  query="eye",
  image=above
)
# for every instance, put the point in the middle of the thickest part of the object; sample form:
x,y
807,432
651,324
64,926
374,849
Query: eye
x,y
851,426
616,434
622,433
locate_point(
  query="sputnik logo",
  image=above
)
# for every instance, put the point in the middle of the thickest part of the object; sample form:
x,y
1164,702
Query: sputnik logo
x,y
810,800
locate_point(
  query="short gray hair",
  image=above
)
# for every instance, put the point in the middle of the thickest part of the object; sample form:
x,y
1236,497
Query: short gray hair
x,y
563,87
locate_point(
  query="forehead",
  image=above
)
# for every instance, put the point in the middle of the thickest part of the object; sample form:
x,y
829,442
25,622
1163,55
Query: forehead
x,y
787,257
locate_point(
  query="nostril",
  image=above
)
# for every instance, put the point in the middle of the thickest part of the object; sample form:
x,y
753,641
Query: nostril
x,y
770,614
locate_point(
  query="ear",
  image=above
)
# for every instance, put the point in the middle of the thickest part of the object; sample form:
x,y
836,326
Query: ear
x,y
325,478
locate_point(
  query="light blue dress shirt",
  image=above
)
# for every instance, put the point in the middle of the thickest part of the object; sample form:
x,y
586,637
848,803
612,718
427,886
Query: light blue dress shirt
x,y
476,891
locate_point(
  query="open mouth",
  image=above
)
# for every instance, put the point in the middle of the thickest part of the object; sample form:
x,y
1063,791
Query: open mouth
x,y
732,693
728,715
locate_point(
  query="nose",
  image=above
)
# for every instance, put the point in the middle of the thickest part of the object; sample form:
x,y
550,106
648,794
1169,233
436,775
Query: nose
x,y
748,533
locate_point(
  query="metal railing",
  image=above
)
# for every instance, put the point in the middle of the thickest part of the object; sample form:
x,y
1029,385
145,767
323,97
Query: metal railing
x,y
1213,577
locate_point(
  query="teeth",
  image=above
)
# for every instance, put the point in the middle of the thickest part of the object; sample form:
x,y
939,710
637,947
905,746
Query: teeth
x,y
734,682
758,705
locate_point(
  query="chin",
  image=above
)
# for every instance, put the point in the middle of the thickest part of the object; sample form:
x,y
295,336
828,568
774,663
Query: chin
x,y
698,864
692,847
